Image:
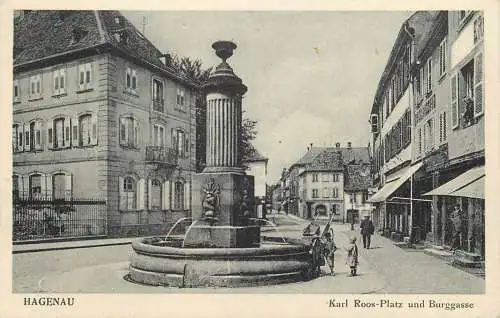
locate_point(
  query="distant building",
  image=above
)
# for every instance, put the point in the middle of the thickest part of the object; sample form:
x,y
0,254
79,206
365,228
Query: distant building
x,y
317,181
356,186
99,111
256,165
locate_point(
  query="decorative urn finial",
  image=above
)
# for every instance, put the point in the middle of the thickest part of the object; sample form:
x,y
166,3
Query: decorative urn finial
x,y
224,49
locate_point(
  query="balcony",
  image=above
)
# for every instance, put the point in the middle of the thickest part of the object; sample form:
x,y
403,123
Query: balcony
x,y
158,105
161,155
428,106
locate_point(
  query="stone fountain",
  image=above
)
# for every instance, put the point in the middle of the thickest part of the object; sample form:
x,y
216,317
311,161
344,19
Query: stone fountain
x,y
222,246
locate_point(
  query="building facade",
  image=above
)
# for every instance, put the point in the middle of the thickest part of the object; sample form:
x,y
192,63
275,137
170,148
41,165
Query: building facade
x,y
98,111
256,166
446,160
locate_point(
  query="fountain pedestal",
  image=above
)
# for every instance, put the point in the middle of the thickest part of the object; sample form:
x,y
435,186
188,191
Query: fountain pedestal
x,y
235,213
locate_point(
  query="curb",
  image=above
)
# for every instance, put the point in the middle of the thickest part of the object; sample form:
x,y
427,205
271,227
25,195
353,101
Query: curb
x,y
35,249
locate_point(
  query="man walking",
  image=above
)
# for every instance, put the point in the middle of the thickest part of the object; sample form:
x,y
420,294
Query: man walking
x,y
367,230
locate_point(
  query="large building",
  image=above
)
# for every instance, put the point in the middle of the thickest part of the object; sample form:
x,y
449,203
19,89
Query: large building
x,y
99,111
438,163
391,125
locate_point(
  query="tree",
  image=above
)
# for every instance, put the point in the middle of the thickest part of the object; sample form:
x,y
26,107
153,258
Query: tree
x,y
193,69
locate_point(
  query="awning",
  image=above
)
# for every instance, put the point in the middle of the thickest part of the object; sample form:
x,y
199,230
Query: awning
x,y
469,184
394,182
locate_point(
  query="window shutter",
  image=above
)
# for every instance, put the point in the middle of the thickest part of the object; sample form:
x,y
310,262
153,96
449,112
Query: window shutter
x,y
75,132
134,79
20,185
140,194
67,132
38,135
478,85
165,202
88,74
136,133
68,194
454,101
43,185
26,186
150,195
187,192
123,131
122,198
174,141
55,78
62,81
50,134
81,77
27,137
93,126
49,186
186,145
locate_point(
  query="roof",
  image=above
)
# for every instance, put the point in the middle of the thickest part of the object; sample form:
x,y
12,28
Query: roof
x,y
421,22
43,34
327,160
358,177
255,156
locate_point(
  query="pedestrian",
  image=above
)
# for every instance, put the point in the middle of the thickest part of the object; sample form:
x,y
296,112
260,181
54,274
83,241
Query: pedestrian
x,y
352,256
318,260
329,251
367,230
456,219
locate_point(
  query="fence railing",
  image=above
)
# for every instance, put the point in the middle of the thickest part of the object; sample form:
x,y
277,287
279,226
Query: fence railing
x,y
39,217
165,155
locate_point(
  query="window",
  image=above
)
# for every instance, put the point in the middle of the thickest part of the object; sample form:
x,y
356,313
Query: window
x,y
35,86
59,133
478,85
442,57
326,192
180,142
157,95
85,130
335,177
131,80
59,186
15,186
85,77
314,177
374,123
35,185
59,81
17,138
335,192
326,177
16,93
156,194
315,193
32,136
179,196
129,132
429,75
180,96
129,197
429,134
158,136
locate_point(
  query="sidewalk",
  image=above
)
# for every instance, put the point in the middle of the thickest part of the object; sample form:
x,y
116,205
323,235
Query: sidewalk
x,y
413,271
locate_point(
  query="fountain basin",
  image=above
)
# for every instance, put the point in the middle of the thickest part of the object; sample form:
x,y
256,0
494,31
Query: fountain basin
x,y
172,266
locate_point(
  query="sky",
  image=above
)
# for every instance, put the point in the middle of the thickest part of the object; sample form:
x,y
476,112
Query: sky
x,y
311,76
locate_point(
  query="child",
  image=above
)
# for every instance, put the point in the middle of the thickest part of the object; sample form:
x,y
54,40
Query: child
x,y
352,256
329,251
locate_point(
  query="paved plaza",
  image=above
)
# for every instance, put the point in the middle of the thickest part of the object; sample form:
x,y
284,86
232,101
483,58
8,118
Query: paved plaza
x,y
385,268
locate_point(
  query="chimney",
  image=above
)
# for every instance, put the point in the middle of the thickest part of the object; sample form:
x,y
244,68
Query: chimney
x,y
308,148
337,145
119,20
348,144
311,145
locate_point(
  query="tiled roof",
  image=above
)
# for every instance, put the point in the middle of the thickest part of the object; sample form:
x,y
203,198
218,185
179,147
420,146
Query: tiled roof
x,y
48,33
357,177
309,156
327,160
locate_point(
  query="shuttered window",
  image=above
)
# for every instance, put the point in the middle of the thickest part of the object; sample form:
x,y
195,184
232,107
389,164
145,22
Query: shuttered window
x,y
454,101
478,85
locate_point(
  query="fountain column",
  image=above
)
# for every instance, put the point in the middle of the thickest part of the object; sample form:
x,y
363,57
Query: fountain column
x,y
223,198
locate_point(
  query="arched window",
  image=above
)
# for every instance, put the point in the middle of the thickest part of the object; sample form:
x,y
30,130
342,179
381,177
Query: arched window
x,y
156,194
128,200
179,196
59,185
35,184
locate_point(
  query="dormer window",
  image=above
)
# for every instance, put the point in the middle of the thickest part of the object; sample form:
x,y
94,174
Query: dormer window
x,y
16,93
374,123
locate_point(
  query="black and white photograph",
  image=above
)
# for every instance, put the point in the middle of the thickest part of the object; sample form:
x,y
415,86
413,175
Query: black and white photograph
x,y
249,152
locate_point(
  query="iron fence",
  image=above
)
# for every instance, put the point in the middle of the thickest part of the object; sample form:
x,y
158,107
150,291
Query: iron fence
x,y
40,217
